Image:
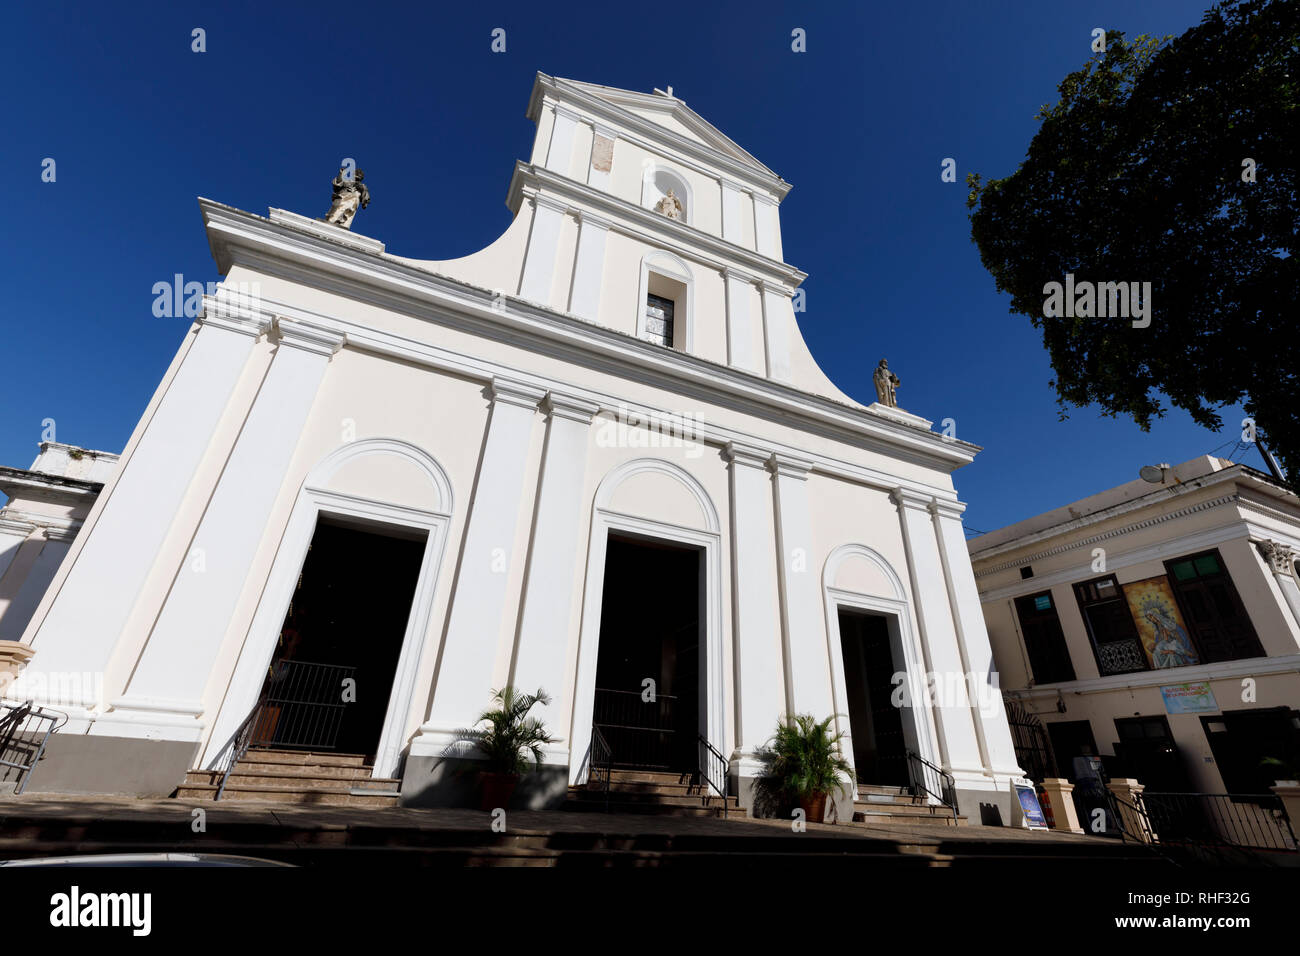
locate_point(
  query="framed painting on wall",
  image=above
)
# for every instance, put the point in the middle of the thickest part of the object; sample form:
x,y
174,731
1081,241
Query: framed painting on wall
x,y
1160,624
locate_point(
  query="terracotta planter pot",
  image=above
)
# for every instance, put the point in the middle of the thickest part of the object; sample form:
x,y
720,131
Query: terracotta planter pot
x,y
814,807
497,789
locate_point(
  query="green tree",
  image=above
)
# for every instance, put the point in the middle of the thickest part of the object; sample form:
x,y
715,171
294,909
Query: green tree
x,y
1139,174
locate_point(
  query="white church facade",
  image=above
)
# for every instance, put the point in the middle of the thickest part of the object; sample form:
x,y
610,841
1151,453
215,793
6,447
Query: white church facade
x,y
594,454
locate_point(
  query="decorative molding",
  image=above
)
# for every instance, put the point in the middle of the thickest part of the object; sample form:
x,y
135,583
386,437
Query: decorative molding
x,y
1221,670
309,337
1117,561
645,224
1280,557
1103,536
611,482
220,312
789,466
560,405
240,237
508,392
739,453
326,231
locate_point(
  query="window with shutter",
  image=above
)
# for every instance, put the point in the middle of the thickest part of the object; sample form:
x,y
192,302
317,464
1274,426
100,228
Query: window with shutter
x,y
1106,614
1212,608
1044,640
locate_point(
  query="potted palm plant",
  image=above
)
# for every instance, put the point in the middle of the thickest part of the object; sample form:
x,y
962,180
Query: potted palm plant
x,y
506,743
805,761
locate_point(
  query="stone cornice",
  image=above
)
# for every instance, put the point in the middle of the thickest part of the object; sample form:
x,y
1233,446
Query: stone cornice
x,y
788,466
560,405
507,392
1103,536
739,453
1223,670
308,336
40,484
234,314
239,237
646,224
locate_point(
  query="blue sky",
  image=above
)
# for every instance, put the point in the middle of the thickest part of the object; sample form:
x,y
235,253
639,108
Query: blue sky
x,y
139,125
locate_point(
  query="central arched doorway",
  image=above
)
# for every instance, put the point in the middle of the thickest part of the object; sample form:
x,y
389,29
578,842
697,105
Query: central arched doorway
x,y
650,663
652,611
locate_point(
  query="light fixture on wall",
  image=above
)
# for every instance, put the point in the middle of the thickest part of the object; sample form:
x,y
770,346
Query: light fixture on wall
x,y
1154,473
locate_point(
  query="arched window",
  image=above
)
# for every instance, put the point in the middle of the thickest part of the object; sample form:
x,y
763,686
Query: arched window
x,y
664,302
657,183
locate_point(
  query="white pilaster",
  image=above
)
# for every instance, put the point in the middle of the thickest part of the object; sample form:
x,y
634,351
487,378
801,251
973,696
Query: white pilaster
x,y
778,313
731,230
589,266
559,155
13,532
760,669
543,243
953,720
475,621
993,733
165,691
740,328
83,624
17,612
765,226
546,619
803,629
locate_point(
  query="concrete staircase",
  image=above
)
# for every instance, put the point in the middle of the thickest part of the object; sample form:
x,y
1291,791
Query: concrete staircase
x,y
295,777
882,805
650,791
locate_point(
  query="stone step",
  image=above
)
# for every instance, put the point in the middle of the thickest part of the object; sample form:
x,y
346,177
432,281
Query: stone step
x,y
888,800
301,757
651,776
697,809
280,780
585,796
902,809
334,797
617,785
875,789
885,818
362,772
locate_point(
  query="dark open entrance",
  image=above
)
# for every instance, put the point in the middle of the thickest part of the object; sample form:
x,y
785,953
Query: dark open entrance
x,y
331,677
879,747
650,630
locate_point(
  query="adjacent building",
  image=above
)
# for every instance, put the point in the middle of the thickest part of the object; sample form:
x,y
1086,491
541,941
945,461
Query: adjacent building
x,y
46,506
595,457
1155,625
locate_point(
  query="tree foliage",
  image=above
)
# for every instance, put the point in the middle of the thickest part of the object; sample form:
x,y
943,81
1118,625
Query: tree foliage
x,y
1136,175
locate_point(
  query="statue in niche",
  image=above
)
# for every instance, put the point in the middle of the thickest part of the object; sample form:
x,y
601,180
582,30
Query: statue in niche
x,y
349,193
886,385
670,206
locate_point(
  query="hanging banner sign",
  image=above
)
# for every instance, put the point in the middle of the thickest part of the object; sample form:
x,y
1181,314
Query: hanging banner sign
x,y
1194,698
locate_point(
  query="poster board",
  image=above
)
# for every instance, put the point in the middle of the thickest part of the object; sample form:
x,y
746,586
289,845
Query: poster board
x,y
1025,804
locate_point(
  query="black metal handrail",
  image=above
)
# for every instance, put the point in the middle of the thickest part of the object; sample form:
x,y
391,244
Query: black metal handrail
x,y
1247,821
20,735
234,751
713,770
923,774
600,767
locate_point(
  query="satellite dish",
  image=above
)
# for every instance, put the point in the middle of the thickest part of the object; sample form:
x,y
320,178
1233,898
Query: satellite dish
x,y
1153,473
